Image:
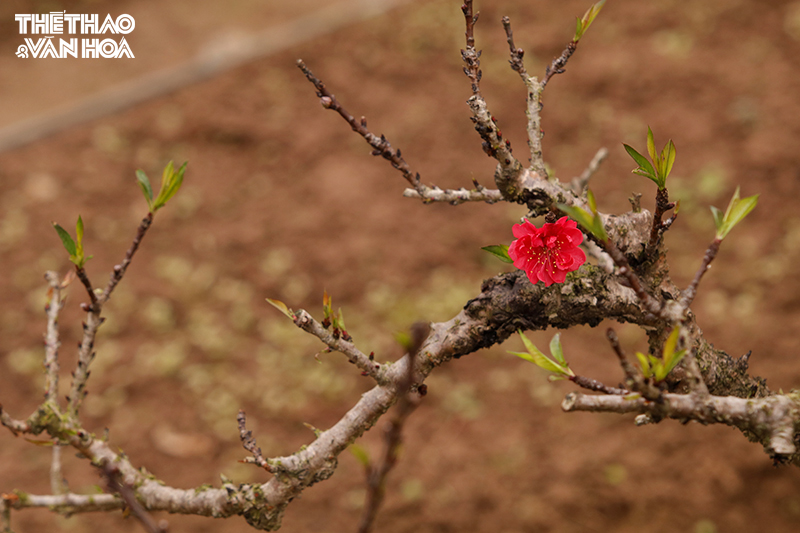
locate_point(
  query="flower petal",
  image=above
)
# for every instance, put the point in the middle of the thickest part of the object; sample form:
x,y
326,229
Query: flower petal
x,y
559,276
545,276
548,253
526,228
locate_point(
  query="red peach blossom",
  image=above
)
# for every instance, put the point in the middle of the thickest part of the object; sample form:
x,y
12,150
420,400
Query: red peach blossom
x,y
547,253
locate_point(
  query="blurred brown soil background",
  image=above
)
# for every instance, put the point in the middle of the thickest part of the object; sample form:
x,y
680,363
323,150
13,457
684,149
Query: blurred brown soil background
x,y
281,200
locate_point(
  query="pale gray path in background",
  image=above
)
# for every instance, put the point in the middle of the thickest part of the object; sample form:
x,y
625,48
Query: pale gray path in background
x,y
219,55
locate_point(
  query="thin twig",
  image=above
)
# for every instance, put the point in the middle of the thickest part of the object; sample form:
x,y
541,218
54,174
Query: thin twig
x,y
516,53
368,366
81,272
627,367
64,503
454,196
509,173
558,64
85,356
534,90
51,339
633,379
58,484
128,494
249,443
597,386
119,270
381,146
535,106
149,491
650,304
768,418
407,403
470,56
15,426
94,320
688,295
579,184
658,228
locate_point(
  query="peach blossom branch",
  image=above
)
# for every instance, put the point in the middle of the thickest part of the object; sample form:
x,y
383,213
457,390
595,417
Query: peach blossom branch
x,y
509,173
516,62
93,321
772,419
52,341
364,362
380,145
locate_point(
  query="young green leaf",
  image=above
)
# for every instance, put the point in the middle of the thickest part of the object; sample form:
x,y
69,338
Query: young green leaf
x,y
171,182
79,237
147,190
654,362
338,320
327,302
73,247
599,230
669,364
500,251
79,231
644,362
645,168
590,223
588,18
593,11
668,156
176,182
736,211
526,356
280,306
528,344
592,201
651,144
661,165
556,350
166,174
66,239
540,360
535,356
742,209
719,219
671,342
659,369
734,200
670,358
582,217
578,30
